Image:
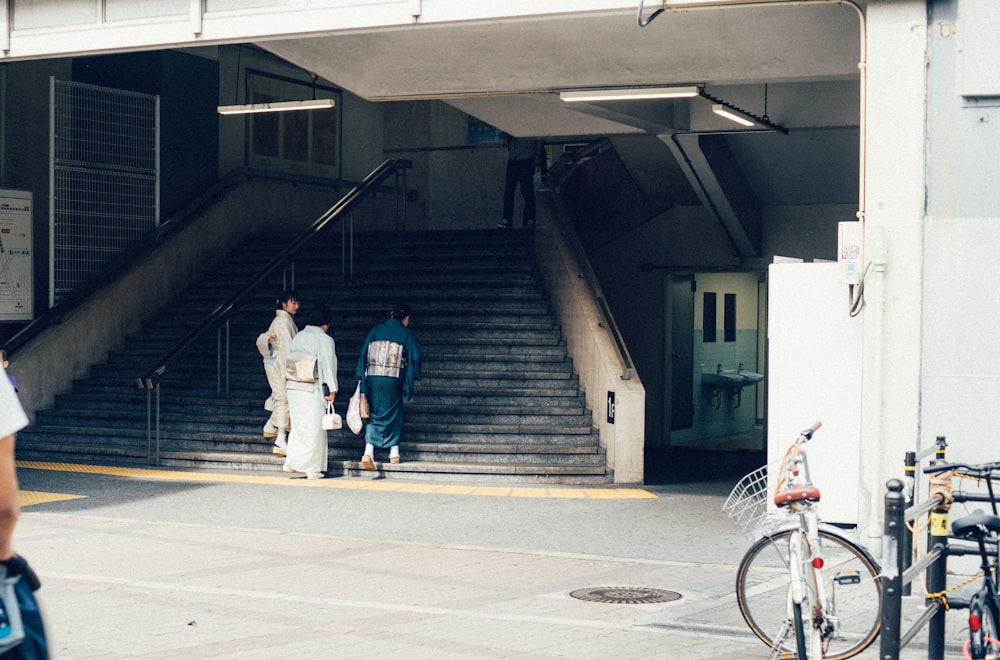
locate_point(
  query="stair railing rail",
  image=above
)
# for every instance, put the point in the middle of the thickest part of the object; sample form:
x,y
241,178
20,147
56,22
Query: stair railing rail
x,y
220,316
560,170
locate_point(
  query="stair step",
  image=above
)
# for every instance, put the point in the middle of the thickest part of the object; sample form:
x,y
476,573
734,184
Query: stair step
x,y
499,401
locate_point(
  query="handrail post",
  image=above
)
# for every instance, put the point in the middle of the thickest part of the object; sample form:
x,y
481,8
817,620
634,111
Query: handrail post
x,y
400,199
157,424
222,360
892,570
218,361
228,362
906,540
937,572
350,246
149,423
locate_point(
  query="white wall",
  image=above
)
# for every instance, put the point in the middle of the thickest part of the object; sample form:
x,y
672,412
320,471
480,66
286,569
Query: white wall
x,y
961,284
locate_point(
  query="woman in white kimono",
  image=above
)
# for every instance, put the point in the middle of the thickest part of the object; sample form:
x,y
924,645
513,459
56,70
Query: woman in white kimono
x,y
308,450
273,347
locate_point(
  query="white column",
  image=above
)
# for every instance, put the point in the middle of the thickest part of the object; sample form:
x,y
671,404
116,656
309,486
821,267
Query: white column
x,y
895,178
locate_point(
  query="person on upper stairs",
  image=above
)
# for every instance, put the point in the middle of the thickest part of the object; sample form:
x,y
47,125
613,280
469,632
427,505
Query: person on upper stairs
x,y
273,347
524,156
388,365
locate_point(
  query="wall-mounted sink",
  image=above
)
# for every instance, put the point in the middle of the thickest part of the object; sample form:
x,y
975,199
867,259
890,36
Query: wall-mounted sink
x,y
729,382
722,379
731,379
750,377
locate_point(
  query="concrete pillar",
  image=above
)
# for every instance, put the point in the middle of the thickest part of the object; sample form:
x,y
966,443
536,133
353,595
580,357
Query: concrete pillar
x,y
895,138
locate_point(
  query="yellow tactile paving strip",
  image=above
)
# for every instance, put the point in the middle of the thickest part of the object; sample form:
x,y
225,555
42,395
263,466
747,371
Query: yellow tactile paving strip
x,y
29,497
572,492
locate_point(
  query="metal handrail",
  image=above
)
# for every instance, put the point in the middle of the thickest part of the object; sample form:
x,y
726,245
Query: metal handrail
x,y
223,311
587,274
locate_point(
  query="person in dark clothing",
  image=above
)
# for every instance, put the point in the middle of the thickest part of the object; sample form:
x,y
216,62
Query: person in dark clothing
x,y
524,156
388,365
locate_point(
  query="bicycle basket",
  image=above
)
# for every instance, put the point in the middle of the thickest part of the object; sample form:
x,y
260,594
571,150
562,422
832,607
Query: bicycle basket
x,y
747,504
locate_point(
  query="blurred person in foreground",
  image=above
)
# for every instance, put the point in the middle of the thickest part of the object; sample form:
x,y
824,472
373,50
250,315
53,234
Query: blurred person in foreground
x,y
27,641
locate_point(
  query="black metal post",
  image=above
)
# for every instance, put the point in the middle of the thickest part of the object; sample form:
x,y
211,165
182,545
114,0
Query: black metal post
x,y
892,571
937,575
906,541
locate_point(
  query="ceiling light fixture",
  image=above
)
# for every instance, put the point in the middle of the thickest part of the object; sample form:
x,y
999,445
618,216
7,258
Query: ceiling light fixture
x,y
630,94
719,107
733,114
280,106
741,116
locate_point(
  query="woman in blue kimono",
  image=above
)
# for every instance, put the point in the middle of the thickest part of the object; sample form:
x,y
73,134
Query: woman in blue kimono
x,y
388,365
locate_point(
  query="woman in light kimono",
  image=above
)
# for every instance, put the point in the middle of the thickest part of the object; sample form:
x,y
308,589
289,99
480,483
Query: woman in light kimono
x,y
308,450
387,366
273,347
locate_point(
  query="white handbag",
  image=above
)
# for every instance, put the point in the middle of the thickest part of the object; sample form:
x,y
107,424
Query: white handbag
x,y
354,421
331,420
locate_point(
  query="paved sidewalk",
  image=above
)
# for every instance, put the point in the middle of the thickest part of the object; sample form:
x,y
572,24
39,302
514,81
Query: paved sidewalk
x,y
180,568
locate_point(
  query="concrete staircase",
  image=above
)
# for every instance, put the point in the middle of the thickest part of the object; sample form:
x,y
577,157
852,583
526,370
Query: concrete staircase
x,y
499,401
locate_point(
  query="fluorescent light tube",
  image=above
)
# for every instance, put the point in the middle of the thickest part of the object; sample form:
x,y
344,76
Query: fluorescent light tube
x,y
733,115
630,94
281,106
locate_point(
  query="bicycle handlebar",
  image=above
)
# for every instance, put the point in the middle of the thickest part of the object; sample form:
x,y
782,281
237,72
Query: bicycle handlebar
x,y
982,469
962,497
808,433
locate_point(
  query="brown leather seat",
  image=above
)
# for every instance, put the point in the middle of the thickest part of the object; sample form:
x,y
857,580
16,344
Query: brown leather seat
x,y
787,496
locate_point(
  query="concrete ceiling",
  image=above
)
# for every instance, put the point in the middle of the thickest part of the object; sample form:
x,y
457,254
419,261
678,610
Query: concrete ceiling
x,y
797,63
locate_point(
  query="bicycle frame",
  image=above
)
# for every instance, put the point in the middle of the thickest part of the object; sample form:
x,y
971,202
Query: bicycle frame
x,y
805,554
802,549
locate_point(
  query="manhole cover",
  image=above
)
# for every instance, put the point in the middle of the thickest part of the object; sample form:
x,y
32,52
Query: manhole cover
x,y
625,595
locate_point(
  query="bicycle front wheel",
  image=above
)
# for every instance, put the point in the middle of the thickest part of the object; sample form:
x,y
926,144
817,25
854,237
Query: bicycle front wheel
x,y
851,582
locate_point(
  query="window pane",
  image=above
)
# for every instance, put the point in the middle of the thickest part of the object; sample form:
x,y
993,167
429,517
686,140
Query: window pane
x,y
708,317
729,317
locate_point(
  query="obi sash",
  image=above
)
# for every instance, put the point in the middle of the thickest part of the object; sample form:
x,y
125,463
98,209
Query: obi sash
x,y
385,358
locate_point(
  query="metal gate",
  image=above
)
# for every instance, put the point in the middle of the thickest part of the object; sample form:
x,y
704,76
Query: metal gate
x,y
104,178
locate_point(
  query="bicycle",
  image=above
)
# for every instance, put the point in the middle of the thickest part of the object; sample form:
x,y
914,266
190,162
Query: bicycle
x,y
804,588
981,531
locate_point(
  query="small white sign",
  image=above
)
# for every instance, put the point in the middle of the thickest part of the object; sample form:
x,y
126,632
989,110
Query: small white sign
x,y
16,283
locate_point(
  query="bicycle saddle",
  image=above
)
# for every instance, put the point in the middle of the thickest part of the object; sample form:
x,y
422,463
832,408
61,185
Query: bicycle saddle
x,y
794,494
975,524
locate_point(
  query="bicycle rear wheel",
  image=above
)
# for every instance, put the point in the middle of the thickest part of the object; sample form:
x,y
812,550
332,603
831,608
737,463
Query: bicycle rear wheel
x,y
984,639
851,580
